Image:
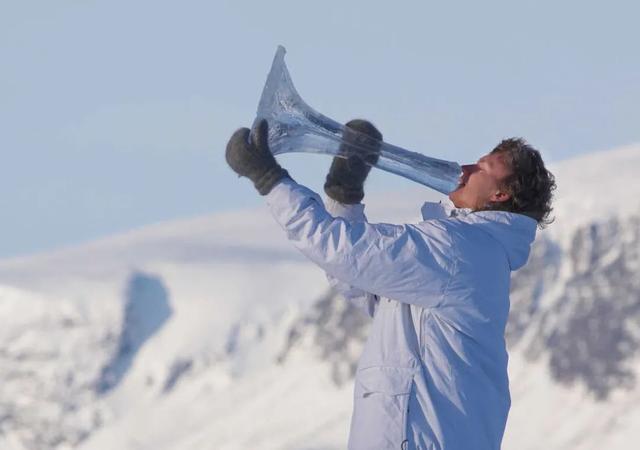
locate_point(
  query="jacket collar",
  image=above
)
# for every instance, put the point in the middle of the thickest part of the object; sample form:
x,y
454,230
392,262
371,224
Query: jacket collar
x,y
443,209
514,232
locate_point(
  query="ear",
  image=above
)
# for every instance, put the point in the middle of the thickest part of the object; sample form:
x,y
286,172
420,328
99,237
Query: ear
x,y
500,196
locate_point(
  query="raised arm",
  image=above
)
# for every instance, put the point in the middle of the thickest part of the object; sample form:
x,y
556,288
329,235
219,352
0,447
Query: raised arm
x,y
408,263
344,186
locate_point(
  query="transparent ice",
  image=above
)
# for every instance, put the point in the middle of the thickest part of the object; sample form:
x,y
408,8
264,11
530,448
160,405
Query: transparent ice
x,y
295,127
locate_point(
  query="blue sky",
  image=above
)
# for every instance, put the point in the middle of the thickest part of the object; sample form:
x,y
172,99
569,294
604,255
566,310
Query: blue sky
x,y
115,114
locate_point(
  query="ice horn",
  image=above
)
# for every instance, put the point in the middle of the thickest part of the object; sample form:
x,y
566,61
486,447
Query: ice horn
x,y
296,127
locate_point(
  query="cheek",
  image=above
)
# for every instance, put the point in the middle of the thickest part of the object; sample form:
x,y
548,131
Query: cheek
x,y
473,186
477,192
482,186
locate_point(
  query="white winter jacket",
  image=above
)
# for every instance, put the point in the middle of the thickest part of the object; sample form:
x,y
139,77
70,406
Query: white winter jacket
x,y
433,373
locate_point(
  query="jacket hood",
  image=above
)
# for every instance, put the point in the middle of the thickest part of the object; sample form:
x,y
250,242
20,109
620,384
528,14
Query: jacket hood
x,y
515,232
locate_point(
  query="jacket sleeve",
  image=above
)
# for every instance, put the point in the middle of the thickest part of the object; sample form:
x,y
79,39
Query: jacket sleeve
x,y
408,263
361,299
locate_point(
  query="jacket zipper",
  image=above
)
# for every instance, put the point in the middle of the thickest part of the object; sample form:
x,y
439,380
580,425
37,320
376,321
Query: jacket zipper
x,y
405,441
420,336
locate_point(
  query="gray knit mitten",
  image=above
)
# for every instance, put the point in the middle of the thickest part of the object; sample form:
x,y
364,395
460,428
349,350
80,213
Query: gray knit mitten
x,y
252,158
345,180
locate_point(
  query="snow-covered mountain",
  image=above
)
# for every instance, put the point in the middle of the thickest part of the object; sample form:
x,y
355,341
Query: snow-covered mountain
x,y
215,333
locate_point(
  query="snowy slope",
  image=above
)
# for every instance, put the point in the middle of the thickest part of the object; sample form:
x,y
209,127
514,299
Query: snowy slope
x,y
214,333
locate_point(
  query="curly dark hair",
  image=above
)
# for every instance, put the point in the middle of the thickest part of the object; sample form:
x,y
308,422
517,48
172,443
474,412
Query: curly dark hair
x,y
530,184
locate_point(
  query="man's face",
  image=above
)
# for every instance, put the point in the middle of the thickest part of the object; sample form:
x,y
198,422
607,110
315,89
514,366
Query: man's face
x,y
479,183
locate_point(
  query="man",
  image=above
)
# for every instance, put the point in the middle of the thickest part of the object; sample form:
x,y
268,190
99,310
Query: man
x,y
433,373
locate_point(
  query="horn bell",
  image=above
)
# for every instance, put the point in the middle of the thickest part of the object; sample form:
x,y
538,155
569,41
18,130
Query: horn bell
x,y
296,127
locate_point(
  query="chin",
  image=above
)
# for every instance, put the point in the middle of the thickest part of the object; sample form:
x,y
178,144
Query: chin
x,y
453,196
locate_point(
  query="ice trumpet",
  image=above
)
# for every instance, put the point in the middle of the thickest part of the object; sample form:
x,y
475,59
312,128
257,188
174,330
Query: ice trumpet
x,y
296,127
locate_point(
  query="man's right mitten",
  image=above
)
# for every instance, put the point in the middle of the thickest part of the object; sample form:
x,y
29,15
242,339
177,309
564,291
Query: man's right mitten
x,y
345,180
